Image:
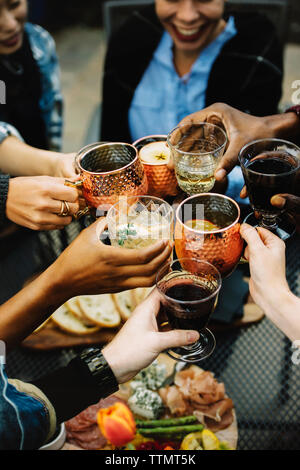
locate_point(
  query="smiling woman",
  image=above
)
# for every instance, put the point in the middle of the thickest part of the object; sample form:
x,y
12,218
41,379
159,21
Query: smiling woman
x,y
192,25
175,57
13,14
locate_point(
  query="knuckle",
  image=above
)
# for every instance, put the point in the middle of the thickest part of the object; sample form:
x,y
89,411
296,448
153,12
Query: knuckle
x,y
75,207
72,195
37,218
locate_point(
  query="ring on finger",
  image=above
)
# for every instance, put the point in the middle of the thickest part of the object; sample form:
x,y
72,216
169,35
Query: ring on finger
x,y
65,209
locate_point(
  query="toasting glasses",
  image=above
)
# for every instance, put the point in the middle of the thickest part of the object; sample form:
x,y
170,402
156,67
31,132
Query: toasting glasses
x,y
189,291
139,221
208,228
108,171
197,148
270,166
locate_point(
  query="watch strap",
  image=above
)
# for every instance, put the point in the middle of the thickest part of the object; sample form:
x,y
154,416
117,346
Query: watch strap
x,y
100,370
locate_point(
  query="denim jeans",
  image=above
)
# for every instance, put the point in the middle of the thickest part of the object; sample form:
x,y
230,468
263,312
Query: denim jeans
x,y
24,420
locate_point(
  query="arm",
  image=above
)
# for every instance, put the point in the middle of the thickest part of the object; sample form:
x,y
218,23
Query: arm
x,y
76,381
69,390
268,285
19,159
87,266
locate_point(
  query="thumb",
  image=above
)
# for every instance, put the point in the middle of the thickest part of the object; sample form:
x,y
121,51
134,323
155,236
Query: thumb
x,y
229,160
287,201
268,238
176,338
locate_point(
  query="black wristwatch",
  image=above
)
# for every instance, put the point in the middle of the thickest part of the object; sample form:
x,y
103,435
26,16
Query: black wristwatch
x,y
100,370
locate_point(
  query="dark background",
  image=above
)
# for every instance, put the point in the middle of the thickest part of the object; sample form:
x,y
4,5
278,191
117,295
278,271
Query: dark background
x,y
56,14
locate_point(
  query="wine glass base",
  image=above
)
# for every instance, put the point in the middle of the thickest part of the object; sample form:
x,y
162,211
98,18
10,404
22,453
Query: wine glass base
x,y
284,230
196,352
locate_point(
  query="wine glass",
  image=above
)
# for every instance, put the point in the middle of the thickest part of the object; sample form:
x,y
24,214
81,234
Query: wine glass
x,y
139,221
196,148
270,166
189,291
208,228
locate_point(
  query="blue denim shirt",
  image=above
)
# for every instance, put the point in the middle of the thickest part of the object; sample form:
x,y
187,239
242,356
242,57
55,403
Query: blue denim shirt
x,y
162,98
51,102
24,420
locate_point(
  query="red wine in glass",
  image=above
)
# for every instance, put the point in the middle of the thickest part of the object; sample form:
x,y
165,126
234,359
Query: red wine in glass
x,y
189,314
270,173
270,167
188,298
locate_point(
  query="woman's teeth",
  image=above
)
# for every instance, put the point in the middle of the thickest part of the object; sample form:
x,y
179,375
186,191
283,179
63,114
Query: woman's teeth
x,y
188,32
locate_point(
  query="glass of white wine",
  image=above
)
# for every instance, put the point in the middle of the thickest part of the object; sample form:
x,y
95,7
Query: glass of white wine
x,y
196,148
140,221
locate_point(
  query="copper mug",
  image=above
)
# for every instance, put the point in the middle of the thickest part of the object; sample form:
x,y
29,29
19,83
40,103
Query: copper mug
x,y
161,179
218,241
108,170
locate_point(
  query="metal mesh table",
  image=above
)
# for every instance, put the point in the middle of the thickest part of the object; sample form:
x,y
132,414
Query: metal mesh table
x,y
255,363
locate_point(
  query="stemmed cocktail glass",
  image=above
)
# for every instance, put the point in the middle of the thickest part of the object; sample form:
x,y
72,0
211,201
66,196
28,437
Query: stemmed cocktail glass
x,y
189,291
270,166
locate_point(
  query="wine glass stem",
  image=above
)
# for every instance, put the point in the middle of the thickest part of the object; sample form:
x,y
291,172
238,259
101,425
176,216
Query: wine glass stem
x,y
269,223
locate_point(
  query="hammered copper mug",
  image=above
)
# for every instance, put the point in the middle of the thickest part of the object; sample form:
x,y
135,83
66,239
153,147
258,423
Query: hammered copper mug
x,y
162,180
108,170
208,228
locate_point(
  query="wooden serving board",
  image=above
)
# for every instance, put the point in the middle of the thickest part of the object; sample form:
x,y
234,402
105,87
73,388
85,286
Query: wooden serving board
x,y
229,434
51,337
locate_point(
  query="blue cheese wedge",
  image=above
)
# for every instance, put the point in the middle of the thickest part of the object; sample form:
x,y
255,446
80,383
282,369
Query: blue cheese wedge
x,y
146,403
153,376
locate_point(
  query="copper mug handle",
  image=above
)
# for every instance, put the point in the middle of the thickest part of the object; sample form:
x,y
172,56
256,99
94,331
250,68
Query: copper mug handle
x,y
77,184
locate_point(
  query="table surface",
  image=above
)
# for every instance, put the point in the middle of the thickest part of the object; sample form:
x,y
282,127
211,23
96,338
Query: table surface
x,y
255,363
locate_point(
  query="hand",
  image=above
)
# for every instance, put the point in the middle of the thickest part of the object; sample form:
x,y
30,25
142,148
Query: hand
x,y
287,202
139,342
241,128
88,266
290,203
64,166
266,255
35,202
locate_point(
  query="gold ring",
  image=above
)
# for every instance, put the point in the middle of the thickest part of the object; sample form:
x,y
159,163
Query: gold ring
x,y
65,209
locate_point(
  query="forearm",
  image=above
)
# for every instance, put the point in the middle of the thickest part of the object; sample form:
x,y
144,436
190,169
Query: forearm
x,y
284,311
71,389
20,159
24,312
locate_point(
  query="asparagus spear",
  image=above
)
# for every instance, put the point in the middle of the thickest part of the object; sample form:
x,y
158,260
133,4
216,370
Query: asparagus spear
x,y
175,432
154,423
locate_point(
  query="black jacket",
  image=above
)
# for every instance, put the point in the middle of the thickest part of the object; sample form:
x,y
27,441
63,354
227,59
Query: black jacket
x,y
246,75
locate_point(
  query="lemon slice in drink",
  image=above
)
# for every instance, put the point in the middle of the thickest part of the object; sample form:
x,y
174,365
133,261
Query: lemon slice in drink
x,y
202,225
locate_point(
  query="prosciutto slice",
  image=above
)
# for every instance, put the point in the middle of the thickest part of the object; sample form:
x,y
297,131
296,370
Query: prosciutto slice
x,y
197,391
